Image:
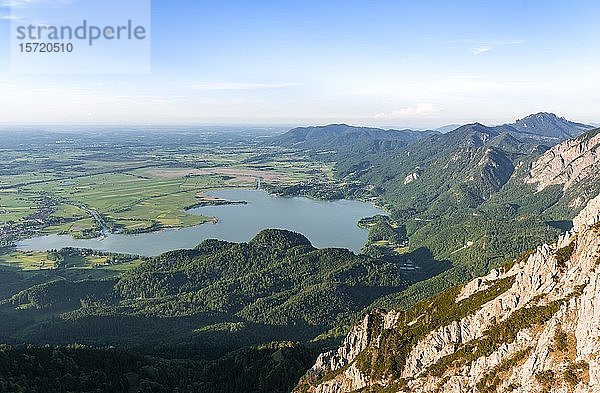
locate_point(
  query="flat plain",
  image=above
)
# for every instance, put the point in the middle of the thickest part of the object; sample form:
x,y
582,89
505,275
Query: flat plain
x,y
84,184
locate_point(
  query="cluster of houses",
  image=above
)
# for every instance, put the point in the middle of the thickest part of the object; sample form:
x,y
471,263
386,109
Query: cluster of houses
x,y
35,222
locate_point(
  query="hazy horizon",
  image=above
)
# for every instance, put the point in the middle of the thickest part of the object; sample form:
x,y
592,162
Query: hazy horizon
x,y
4,125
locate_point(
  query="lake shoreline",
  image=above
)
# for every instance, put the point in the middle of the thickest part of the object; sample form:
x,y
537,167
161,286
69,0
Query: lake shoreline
x,y
242,213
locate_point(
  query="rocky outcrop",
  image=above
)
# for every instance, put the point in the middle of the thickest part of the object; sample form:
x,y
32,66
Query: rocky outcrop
x,y
530,327
589,215
411,177
568,163
356,341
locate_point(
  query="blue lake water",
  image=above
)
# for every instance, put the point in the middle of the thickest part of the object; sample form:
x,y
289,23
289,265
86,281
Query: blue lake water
x,y
324,223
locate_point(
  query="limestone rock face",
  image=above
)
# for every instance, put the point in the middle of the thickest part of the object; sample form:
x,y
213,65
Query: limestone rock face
x,y
567,163
356,341
414,175
589,215
540,334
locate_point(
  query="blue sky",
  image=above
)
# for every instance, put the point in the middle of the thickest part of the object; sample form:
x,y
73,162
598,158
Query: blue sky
x,y
385,63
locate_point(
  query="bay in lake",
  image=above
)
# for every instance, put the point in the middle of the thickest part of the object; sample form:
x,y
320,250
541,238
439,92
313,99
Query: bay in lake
x,y
324,223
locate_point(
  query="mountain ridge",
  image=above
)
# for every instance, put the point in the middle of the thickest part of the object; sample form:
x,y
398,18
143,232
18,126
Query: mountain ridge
x,y
568,163
542,126
528,324
338,136
549,125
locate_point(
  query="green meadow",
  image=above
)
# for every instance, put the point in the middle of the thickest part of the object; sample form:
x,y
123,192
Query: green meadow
x,y
15,206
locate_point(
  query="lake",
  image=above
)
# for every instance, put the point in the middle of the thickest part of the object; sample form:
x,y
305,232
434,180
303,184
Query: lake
x,y
324,223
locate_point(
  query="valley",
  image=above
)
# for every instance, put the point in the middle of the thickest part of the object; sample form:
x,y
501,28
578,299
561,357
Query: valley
x,y
158,244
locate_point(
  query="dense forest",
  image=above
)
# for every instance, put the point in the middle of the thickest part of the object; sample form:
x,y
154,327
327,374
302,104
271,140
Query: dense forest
x,y
268,368
210,300
200,305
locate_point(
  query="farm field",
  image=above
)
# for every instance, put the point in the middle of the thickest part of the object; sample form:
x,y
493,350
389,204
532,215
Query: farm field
x,y
83,185
27,261
15,206
74,268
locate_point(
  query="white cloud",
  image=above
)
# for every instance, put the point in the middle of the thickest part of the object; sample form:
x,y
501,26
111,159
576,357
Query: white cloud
x,y
18,7
494,42
486,46
240,86
423,109
480,50
33,3
479,46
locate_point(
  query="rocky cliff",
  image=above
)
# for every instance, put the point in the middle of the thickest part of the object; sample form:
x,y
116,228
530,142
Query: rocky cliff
x,y
531,326
567,164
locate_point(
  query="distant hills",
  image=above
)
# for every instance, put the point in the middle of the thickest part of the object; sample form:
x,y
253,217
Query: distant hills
x,y
549,125
541,126
447,128
441,173
336,136
429,171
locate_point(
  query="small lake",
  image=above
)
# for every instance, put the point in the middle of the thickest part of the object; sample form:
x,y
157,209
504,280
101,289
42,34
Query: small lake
x,y
324,223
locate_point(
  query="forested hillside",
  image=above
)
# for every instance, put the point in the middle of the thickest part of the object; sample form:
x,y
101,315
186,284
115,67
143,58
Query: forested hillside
x,y
467,196
342,137
205,302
